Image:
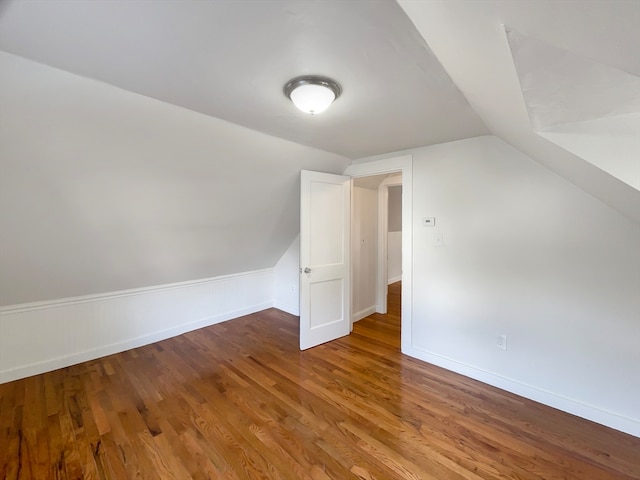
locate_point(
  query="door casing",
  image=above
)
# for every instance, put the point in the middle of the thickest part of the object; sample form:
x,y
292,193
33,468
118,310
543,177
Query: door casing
x,y
404,165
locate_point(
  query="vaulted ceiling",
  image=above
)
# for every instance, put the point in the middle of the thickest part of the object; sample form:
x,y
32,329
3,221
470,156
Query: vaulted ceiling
x,y
231,59
470,39
147,88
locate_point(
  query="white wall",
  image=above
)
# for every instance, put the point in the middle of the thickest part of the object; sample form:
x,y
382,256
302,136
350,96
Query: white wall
x,y
394,235
128,220
287,280
394,211
104,190
473,48
364,251
394,257
610,143
528,255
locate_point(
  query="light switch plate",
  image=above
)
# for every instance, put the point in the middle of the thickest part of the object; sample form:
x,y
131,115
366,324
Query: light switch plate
x,y
428,221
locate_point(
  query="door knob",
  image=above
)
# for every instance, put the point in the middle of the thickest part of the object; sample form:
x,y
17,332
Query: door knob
x,y
307,270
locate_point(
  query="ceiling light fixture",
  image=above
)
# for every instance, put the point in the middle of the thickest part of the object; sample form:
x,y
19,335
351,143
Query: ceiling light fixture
x,y
311,93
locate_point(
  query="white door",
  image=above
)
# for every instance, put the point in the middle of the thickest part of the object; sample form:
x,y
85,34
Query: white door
x,y
325,223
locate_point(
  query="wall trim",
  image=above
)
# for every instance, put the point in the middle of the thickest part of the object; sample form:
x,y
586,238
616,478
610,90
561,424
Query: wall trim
x,y
25,307
396,164
67,360
365,312
545,397
63,332
394,279
287,307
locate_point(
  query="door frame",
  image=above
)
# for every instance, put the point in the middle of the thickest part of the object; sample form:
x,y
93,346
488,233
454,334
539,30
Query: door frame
x,y
404,165
382,275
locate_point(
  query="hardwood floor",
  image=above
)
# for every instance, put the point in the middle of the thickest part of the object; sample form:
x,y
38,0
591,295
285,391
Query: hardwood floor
x,y
239,400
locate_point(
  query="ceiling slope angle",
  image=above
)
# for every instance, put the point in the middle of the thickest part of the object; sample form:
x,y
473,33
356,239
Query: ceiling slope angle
x,y
583,106
468,38
230,60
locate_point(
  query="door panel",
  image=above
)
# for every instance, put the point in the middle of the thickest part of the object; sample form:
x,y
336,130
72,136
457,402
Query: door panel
x,y
325,223
323,309
326,229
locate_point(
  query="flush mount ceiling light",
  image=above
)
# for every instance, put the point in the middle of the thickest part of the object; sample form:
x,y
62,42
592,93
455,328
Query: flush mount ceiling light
x,y
311,93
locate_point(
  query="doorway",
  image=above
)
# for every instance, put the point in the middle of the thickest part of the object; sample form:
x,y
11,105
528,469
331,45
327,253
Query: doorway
x,y
376,234
401,164
383,166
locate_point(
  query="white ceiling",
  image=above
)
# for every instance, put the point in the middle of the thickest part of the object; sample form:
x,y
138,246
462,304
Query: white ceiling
x,y
230,59
585,107
414,72
468,37
167,180
561,87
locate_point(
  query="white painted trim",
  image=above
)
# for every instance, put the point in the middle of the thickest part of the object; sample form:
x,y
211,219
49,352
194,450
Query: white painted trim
x,y
43,336
404,165
364,313
288,308
394,279
575,407
382,270
352,212
72,359
62,302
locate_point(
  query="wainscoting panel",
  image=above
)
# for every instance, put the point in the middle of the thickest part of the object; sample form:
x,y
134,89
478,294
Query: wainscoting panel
x,y
44,336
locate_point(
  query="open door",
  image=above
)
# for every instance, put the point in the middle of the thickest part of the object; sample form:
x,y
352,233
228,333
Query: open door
x,y
325,223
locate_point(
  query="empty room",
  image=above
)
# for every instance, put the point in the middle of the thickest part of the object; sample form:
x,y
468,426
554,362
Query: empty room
x,y
320,239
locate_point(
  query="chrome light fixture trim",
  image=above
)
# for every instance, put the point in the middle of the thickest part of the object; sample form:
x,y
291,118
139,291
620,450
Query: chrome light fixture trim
x,y
317,81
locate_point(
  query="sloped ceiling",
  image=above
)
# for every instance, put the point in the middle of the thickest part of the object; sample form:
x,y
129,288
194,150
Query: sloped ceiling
x,y
148,142
103,190
585,107
468,38
230,59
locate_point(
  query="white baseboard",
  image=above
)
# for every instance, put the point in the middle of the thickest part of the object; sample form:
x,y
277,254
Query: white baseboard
x,y
286,307
574,407
363,313
43,336
394,279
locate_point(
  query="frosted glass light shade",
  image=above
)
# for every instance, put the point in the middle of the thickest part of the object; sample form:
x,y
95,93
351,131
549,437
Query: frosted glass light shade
x,y
312,94
312,98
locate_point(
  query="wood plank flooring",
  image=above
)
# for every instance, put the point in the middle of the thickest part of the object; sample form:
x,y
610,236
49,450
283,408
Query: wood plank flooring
x,y
239,400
